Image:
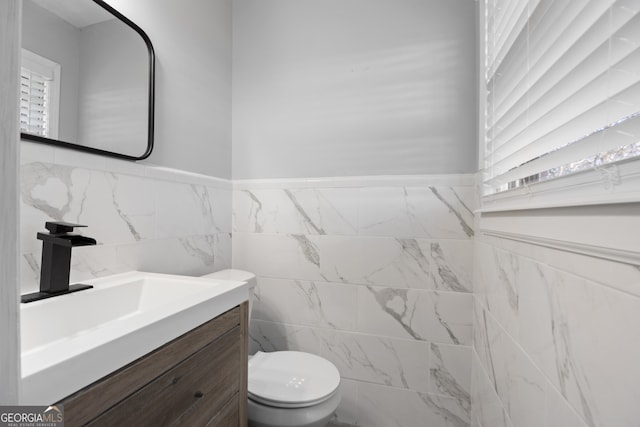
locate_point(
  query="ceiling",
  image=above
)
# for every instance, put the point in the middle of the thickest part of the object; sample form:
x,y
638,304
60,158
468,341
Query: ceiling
x,y
79,13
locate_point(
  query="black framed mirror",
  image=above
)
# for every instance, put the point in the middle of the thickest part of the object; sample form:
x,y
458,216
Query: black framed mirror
x,y
88,78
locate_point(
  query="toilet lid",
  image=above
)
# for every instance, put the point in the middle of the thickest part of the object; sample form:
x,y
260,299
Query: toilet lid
x,y
291,379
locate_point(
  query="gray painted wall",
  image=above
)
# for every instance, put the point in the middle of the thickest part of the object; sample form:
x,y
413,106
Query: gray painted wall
x,y
192,40
353,87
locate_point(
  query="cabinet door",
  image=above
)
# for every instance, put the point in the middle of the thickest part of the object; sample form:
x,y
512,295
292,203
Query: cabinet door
x,y
190,394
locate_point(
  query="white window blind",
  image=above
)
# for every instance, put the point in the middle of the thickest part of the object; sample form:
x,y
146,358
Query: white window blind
x,y
563,88
39,84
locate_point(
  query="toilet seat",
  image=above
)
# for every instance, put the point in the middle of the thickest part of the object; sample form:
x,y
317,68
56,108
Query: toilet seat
x,y
291,379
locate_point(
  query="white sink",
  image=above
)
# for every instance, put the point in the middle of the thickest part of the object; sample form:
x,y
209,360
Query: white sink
x,y
72,340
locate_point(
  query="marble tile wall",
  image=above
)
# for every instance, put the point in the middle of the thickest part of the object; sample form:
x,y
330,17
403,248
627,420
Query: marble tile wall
x,y
144,217
554,339
374,276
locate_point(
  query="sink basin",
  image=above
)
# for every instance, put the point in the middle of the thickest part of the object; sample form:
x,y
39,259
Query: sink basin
x,y
70,341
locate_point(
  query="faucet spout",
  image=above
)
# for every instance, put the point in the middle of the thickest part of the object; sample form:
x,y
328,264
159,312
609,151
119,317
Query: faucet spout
x,y
56,260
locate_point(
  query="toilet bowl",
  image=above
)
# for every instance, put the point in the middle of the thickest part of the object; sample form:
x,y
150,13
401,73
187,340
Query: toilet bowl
x,y
287,388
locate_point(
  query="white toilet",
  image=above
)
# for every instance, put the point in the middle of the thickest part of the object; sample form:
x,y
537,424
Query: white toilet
x,y
287,388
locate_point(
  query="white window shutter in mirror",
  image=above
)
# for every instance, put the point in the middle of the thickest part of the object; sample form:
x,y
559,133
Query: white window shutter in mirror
x,y
39,99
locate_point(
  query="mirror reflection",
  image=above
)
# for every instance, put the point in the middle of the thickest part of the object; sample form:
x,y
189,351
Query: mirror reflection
x,y
87,79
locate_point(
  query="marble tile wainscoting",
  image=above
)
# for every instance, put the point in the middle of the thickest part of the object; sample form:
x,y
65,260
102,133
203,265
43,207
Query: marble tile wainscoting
x,y
144,217
374,274
555,338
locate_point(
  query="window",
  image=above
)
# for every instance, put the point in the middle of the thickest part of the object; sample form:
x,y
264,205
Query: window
x,y
562,92
39,95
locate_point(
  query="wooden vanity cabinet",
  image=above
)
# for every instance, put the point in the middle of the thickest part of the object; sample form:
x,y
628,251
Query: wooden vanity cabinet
x,y
198,379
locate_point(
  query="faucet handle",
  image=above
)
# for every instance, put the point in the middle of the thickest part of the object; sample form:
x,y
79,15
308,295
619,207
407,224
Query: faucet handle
x,y
60,227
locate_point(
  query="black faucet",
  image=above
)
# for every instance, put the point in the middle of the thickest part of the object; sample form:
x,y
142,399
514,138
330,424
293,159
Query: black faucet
x,y
56,261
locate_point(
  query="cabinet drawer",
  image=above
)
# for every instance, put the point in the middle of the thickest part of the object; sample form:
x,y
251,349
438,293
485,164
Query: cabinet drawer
x,y
99,397
190,394
228,415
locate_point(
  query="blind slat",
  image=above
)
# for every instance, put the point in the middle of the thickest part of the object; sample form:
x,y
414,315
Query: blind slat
x,y
558,50
622,139
571,97
625,104
516,13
